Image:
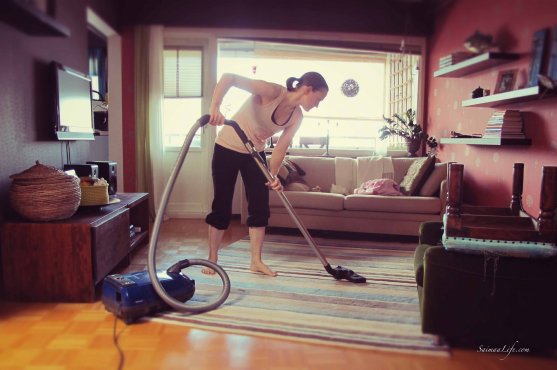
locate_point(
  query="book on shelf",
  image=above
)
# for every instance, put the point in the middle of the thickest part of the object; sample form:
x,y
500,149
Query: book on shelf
x,y
505,124
505,136
507,113
454,58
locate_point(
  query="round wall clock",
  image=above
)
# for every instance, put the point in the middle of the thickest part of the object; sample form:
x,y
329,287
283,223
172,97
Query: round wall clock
x,y
350,88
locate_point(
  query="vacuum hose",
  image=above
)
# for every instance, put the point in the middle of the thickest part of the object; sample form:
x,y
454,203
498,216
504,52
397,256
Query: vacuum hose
x,y
151,261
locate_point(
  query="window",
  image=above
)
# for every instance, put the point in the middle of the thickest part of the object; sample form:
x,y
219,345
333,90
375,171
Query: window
x,y
343,121
403,87
182,94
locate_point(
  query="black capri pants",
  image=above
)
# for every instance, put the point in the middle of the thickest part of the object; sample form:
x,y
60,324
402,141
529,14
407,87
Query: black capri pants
x,y
226,164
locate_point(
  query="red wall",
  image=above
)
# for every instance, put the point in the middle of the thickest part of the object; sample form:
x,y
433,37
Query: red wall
x,y
488,169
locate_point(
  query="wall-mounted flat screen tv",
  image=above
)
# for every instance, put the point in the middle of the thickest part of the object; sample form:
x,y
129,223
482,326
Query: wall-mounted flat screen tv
x,y
73,114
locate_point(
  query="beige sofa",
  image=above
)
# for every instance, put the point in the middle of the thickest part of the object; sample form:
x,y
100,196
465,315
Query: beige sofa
x,y
325,210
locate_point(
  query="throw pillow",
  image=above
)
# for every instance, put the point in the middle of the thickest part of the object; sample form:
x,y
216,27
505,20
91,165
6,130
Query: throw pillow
x,y
417,172
290,172
291,176
433,182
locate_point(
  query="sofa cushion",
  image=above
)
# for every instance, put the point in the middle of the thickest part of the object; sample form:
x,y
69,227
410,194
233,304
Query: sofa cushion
x,y
433,182
312,200
393,204
416,175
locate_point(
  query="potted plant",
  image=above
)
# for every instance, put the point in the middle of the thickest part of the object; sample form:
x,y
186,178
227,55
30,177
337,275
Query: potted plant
x,y
406,128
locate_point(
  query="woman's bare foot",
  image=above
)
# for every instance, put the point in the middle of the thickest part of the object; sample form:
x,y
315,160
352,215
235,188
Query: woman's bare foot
x,y
208,270
261,267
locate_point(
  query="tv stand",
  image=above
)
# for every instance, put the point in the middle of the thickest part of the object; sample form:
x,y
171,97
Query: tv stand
x,y
64,261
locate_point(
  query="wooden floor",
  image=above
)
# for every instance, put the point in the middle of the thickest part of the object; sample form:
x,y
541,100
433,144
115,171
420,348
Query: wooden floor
x,y
80,336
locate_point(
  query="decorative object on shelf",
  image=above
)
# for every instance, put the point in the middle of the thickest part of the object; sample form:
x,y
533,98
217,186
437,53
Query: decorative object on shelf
x,y
44,193
479,43
477,93
548,83
538,52
458,135
405,128
505,81
350,88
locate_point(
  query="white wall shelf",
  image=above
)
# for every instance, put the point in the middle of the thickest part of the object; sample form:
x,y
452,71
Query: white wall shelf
x,y
509,97
474,64
493,141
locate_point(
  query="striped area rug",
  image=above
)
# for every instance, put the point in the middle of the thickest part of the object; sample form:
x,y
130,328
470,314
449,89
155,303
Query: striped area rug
x,y
304,303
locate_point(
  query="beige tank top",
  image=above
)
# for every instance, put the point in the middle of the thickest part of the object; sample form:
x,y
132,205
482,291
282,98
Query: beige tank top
x,y
256,121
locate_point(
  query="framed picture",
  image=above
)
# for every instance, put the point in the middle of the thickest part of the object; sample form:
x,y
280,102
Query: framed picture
x,y
505,81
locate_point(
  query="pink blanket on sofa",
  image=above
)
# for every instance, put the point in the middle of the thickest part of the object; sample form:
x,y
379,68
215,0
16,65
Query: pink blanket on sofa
x,y
379,187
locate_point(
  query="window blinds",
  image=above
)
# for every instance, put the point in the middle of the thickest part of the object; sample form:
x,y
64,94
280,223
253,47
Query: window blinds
x,y
182,73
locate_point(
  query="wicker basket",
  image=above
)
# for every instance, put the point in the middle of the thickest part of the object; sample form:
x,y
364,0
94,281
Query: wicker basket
x,y
94,195
44,193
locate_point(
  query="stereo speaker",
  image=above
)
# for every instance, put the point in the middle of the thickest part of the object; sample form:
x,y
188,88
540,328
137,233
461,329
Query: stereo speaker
x,y
109,171
83,170
101,120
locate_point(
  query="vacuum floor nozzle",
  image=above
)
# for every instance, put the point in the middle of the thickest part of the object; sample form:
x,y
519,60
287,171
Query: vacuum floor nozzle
x,y
341,273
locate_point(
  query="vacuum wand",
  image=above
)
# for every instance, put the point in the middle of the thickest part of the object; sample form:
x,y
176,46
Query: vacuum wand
x,y
338,272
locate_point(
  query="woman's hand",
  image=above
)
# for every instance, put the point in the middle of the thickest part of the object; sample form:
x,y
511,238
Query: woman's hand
x,y
275,185
217,118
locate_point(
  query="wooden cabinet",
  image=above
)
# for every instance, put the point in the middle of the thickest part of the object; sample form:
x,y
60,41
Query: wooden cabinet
x,y
64,261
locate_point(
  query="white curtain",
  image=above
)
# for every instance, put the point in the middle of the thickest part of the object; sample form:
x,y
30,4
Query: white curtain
x,y
149,101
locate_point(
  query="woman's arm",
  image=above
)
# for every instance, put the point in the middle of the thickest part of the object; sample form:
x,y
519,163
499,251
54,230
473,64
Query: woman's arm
x,y
265,90
279,152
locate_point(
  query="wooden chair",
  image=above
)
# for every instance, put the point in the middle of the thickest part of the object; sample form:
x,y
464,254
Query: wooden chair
x,y
502,223
432,231
515,206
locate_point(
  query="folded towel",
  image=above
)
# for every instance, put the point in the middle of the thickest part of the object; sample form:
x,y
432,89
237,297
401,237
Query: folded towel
x,y
372,168
345,172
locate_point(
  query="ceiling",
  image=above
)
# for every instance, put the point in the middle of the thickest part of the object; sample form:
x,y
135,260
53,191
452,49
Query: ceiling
x,y
394,17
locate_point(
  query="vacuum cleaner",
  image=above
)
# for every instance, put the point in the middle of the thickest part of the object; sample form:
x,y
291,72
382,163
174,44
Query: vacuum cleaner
x,y
134,295
338,272
131,296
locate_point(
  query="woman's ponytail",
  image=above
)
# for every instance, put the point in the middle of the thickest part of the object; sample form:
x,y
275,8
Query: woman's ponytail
x,y
311,79
290,83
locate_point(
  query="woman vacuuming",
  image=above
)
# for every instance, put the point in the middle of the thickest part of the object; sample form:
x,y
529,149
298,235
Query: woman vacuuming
x,y
270,109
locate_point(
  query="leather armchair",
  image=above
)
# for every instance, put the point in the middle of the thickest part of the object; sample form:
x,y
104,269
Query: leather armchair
x,y
477,299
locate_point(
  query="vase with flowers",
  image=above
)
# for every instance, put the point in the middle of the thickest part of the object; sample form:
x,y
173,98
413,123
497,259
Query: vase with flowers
x,y
404,127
